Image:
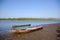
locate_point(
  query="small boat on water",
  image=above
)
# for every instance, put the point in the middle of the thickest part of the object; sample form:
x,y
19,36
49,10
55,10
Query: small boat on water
x,y
14,26
23,30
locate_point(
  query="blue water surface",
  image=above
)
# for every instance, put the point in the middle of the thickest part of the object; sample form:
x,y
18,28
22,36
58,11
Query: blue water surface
x,y
7,24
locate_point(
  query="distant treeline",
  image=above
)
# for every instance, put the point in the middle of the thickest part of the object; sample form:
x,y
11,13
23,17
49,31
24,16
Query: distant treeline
x,y
29,18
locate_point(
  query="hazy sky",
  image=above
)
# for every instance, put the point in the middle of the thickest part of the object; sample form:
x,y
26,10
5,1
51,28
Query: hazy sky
x,y
29,8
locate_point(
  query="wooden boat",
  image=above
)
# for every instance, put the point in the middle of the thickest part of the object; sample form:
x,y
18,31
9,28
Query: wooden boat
x,y
24,30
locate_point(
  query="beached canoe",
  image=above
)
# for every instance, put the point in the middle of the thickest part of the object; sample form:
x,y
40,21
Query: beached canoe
x,y
25,30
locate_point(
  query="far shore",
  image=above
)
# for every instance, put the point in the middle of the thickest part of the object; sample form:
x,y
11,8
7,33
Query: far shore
x,y
29,18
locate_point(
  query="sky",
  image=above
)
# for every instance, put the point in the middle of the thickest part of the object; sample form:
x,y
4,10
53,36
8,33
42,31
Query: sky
x,y
29,8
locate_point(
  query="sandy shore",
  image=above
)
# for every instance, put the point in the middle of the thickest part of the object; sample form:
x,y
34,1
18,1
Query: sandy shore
x,y
47,33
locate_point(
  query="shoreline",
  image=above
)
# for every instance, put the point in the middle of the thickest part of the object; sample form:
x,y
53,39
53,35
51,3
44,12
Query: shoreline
x,y
29,18
47,33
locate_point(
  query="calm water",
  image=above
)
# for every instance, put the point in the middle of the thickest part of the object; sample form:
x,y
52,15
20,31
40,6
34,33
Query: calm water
x,y
7,24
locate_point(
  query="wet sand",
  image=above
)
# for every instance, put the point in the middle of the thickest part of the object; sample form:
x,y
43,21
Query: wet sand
x,y
47,33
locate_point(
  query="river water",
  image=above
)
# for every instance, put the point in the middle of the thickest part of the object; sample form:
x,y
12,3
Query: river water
x,y
7,24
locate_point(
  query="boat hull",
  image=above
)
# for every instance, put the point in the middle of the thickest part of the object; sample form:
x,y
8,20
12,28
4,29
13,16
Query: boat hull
x,y
25,30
